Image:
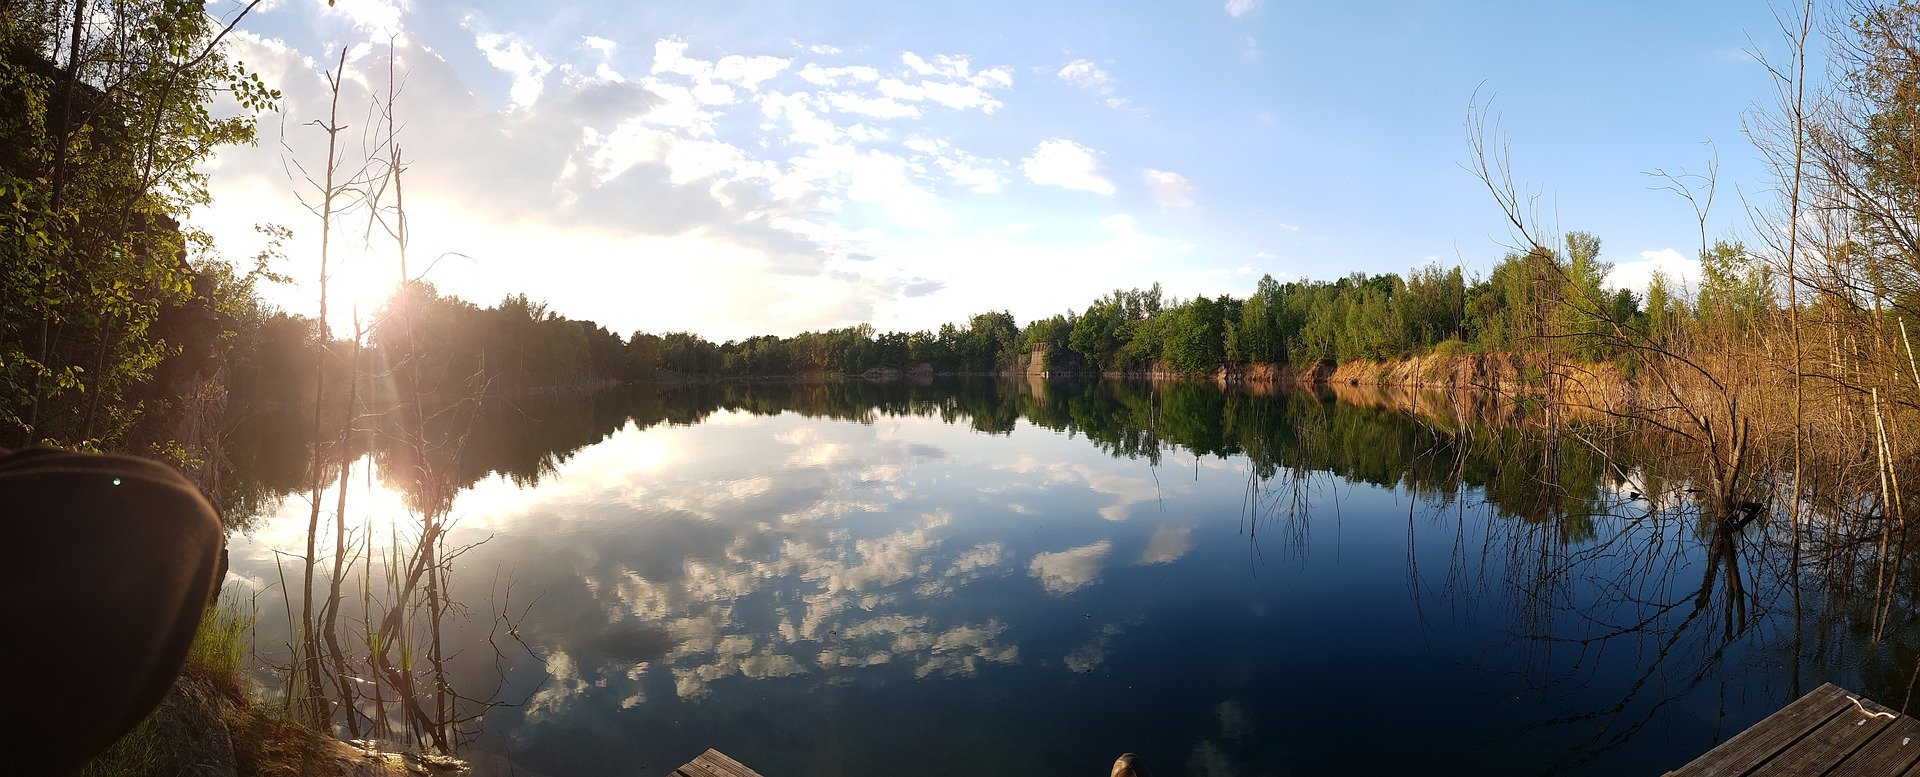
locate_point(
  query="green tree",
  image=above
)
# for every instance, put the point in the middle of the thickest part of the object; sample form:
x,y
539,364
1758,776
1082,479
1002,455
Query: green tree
x,y
105,115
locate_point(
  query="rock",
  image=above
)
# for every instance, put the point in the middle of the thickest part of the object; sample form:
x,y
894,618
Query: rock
x,y
190,729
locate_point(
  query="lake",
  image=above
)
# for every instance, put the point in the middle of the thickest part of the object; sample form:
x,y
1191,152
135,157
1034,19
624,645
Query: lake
x,y
980,577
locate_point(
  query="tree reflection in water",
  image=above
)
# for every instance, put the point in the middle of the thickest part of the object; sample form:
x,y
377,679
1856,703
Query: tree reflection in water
x,y
1610,593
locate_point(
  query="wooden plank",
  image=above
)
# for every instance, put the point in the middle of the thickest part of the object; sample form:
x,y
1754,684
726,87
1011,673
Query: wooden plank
x,y
1894,751
1755,746
1829,744
714,763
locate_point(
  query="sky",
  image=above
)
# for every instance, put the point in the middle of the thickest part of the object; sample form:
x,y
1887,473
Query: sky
x,y
772,167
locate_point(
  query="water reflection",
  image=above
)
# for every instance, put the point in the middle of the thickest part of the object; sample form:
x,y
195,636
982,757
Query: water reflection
x,y
958,578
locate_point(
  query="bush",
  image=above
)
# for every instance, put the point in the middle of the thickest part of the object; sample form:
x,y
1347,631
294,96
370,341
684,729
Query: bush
x,y
1451,347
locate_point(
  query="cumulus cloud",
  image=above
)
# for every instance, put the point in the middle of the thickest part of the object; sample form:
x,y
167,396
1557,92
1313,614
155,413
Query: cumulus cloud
x,y
1239,8
514,57
942,65
1070,570
961,96
592,162
1066,164
377,19
749,72
1167,545
949,81
724,176
1170,189
1682,272
1084,74
977,174
713,82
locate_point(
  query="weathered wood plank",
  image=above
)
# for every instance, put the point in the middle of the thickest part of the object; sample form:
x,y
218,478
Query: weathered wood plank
x,y
1895,750
714,763
1831,743
1755,746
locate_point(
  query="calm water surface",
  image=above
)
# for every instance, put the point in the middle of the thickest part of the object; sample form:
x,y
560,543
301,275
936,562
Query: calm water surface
x,y
982,578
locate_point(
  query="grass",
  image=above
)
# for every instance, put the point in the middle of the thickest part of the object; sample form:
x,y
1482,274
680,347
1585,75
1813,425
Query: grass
x,y
136,753
220,647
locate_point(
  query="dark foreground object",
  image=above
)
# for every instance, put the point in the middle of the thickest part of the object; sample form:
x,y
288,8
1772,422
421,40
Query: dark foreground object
x,y
106,565
1828,731
713,763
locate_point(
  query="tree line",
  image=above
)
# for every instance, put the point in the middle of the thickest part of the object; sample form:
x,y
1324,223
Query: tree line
x,y
519,345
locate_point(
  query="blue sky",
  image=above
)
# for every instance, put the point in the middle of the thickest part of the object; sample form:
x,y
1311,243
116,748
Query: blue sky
x,y
772,167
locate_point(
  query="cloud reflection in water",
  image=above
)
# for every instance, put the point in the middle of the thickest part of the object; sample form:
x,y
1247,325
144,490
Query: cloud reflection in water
x,y
666,558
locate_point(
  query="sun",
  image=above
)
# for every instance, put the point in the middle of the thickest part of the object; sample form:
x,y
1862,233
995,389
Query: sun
x,y
358,287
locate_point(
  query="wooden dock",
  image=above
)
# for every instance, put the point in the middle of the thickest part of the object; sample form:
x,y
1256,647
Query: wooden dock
x,y
1827,732
713,763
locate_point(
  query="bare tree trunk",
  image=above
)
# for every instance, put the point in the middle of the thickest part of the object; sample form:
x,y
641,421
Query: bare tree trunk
x,y
331,612
310,642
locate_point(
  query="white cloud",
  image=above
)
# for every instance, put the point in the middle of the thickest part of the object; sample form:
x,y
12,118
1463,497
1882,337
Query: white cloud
x,y
962,90
804,124
1084,74
1064,163
622,178
670,56
1070,570
877,107
875,178
1087,75
749,72
1239,8
1683,272
961,97
1170,189
514,57
735,179
378,19
713,94
832,76
942,65
1167,545
1000,77
977,174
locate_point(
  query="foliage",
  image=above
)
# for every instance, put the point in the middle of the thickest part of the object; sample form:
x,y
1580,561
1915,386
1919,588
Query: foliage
x,y
520,345
106,118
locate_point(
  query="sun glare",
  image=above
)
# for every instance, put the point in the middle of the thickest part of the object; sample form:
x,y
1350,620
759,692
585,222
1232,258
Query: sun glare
x,y
359,288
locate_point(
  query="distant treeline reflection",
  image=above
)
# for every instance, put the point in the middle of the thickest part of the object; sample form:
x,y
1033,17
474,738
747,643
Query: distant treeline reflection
x,y
1425,444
